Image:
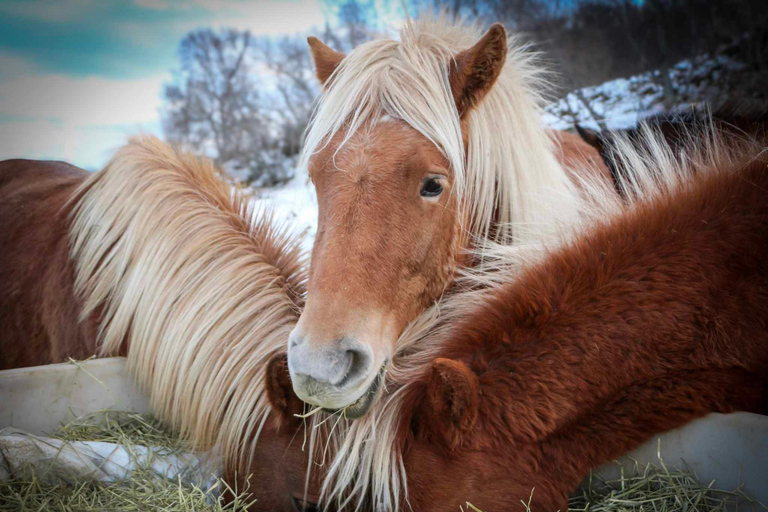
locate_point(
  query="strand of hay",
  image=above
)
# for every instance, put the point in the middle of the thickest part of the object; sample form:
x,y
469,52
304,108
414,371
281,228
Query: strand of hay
x,y
144,491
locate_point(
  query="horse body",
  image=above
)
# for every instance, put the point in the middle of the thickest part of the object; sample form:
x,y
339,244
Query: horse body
x,y
654,316
39,312
675,286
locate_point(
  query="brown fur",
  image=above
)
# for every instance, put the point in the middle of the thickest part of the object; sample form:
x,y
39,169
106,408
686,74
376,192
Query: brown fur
x,y
384,253
731,121
578,156
38,310
654,319
326,60
476,69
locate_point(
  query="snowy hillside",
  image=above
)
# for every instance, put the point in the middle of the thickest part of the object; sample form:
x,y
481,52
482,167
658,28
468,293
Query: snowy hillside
x,y
294,203
623,101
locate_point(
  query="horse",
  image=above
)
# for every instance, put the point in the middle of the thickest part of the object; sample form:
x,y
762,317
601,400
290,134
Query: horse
x,y
422,151
156,258
653,315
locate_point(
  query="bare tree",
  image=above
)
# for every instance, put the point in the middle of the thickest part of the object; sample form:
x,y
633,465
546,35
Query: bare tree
x,y
214,104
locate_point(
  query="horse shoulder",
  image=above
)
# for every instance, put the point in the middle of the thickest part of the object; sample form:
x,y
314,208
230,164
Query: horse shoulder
x,y
38,310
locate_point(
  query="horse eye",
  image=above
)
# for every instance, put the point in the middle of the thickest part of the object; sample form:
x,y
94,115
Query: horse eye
x,y
431,188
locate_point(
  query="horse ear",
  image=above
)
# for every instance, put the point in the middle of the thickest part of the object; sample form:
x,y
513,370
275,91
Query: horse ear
x,y
280,390
453,396
591,137
326,59
474,71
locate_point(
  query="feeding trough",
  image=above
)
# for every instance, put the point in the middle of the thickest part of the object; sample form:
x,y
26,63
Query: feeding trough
x,y
731,450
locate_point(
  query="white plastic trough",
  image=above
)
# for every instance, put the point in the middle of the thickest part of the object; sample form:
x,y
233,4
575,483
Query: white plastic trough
x,y
730,449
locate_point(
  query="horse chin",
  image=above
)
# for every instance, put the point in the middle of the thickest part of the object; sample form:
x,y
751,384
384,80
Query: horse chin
x,y
360,407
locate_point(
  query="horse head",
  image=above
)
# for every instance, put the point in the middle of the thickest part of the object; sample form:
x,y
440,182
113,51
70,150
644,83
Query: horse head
x,y
390,234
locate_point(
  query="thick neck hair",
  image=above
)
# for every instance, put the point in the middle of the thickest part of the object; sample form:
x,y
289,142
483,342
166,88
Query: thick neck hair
x,y
193,285
510,183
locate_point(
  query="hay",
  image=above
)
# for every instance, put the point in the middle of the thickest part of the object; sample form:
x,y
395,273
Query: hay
x,y
660,489
654,489
144,491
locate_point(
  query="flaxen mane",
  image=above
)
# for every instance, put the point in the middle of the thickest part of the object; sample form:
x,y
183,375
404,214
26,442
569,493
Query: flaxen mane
x,y
198,287
510,175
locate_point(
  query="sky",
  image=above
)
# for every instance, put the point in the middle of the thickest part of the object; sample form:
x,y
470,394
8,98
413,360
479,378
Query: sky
x,y
78,77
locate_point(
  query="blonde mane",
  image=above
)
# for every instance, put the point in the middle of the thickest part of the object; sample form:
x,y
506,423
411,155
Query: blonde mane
x,y
199,288
510,173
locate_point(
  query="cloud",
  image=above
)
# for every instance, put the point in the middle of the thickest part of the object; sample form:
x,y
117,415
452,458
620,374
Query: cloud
x,y
81,120
87,147
82,100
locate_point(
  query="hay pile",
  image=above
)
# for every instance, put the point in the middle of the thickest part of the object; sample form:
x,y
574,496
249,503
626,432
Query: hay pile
x,y
144,491
660,489
655,489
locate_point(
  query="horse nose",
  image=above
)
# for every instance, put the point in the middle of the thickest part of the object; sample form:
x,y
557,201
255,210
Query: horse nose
x,y
318,368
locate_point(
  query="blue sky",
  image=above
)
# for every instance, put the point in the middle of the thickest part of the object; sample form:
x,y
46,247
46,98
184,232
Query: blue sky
x,y
77,77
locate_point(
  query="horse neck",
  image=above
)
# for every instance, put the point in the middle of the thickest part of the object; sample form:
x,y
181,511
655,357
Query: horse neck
x,y
515,179
642,411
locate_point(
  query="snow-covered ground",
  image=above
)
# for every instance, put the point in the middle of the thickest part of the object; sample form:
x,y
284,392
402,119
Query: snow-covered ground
x,y
621,102
294,203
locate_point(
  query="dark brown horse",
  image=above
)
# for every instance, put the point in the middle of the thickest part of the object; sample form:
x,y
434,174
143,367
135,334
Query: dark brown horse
x,y
654,317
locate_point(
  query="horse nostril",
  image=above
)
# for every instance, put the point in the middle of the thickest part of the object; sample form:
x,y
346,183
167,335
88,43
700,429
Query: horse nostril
x,y
356,368
294,339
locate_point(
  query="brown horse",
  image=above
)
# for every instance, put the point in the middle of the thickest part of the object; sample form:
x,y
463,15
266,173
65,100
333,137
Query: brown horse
x,y
422,152
39,311
158,259
657,315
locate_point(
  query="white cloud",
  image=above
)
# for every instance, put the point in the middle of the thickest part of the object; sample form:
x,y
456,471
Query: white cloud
x,y
82,101
12,66
81,120
83,146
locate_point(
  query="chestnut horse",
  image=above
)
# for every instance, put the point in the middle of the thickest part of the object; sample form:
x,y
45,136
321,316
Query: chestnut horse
x,y
657,315
422,151
155,258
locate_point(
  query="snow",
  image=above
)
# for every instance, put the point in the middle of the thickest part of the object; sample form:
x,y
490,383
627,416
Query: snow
x,y
294,203
621,103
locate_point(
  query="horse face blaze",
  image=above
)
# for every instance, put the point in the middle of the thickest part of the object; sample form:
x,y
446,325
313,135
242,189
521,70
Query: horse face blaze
x,y
386,247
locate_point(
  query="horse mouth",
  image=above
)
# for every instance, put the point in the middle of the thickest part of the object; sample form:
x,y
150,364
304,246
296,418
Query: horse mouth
x,y
360,407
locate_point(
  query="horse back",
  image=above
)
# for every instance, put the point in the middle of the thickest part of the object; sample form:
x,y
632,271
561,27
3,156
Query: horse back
x,y
38,310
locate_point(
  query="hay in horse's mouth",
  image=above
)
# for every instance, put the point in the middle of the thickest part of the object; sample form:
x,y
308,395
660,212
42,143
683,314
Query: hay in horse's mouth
x,y
359,407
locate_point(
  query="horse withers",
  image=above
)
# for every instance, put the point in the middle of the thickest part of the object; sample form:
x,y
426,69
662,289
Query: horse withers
x,y
39,312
